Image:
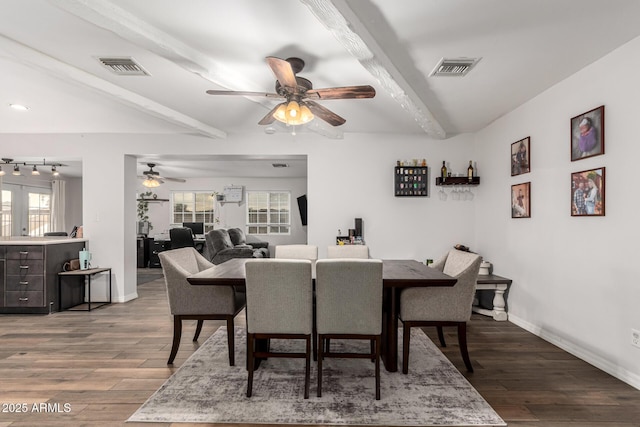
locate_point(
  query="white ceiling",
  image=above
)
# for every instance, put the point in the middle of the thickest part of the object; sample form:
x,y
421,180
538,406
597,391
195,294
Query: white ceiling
x,y
48,52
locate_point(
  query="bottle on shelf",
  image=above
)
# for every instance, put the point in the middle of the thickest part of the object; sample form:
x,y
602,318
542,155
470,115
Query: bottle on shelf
x,y
470,171
443,172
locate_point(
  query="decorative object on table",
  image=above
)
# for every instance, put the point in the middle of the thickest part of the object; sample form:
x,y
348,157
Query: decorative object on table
x,y
85,259
411,181
485,268
521,157
521,200
206,390
587,134
587,192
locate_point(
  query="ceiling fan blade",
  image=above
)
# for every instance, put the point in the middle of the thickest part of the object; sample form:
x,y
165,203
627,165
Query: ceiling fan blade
x,y
283,72
325,114
346,92
243,93
268,119
172,179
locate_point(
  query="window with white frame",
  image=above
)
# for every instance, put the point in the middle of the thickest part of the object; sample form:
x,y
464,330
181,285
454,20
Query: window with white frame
x,y
6,212
268,212
193,206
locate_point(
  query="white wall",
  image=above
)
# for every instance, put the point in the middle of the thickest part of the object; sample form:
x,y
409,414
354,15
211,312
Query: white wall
x,y
231,214
575,278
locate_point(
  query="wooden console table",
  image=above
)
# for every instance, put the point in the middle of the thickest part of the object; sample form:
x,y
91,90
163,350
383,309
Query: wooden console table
x,y
87,275
499,285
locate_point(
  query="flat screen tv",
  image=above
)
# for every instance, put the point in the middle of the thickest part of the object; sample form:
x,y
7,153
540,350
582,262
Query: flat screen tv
x,y
302,206
196,227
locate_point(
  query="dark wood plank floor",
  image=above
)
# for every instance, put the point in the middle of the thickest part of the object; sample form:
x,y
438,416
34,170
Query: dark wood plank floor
x,y
104,364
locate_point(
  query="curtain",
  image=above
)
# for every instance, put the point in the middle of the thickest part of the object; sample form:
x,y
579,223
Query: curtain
x,y
57,205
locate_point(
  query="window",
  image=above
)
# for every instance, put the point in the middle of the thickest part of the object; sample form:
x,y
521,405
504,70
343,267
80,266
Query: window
x,y
268,212
39,213
26,210
193,207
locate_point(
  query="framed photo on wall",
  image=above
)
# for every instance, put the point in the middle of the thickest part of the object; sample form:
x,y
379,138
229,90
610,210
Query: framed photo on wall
x,y
520,158
587,193
521,200
587,134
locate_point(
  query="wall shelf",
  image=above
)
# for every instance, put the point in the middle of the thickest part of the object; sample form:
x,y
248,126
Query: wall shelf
x,y
458,180
152,200
411,181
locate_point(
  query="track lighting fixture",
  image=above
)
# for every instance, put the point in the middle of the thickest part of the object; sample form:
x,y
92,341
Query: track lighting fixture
x,y
34,165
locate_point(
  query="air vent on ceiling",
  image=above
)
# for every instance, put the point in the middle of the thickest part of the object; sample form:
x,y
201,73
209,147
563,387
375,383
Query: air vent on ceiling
x,y
123,66
279,165
457,67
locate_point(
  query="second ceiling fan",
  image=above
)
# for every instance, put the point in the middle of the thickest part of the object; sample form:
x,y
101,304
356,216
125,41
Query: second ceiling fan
x,y
299,105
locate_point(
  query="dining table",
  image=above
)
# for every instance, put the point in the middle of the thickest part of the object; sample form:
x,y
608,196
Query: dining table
x,y
396,276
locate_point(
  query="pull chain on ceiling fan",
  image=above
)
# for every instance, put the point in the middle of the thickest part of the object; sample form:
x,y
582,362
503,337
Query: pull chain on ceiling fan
x,y
299,106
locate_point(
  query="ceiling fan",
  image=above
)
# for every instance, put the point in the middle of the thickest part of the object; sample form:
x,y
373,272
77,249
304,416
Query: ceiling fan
x,y
299,105
153,179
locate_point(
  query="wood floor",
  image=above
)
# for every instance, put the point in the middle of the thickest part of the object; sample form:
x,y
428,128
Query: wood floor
x,y
97,368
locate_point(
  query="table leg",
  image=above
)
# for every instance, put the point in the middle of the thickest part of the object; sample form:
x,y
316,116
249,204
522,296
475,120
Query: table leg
x,y
89,291
390,330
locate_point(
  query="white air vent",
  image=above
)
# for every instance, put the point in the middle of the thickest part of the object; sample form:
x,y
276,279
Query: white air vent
x,y
123,66
457,67
279,165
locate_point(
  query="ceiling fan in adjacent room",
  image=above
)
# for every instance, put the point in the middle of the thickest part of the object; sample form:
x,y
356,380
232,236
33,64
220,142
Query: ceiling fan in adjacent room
x,y
299,105
154,179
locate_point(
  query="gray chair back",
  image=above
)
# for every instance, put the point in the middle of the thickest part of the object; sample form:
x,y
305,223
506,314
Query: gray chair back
x,y
349,296
348,251
279,296
309,252
184,298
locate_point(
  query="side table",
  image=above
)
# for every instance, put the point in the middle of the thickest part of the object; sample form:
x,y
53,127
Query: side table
x,y
499,285
87,275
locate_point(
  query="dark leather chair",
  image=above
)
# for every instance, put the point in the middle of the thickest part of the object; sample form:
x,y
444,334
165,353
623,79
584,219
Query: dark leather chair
x,y
181,238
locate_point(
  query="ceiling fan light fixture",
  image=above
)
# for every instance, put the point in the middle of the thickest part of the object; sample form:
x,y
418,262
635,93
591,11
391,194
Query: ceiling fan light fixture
x,y
150,183
305,113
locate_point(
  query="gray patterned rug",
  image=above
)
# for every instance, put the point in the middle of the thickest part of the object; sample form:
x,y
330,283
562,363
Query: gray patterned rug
x,y
207,390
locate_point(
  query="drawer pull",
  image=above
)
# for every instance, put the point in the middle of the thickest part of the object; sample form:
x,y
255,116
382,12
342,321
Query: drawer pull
x,y
24,252
24,283
24,267
23,299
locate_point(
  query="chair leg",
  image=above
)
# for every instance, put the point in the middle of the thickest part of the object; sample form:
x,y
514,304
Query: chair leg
x,y
462,341
307,370
177,334
373,350
198,330
441,336
231,341
378,345
320,351
314,331
249,364
406,338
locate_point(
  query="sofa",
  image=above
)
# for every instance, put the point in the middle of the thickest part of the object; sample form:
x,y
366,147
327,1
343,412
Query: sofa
x,y
222,245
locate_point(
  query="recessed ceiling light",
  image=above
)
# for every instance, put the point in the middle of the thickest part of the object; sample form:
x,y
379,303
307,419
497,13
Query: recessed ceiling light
x,y
19,107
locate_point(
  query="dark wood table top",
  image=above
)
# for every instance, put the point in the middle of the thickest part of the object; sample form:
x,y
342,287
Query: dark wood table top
x,y
492,279
395,274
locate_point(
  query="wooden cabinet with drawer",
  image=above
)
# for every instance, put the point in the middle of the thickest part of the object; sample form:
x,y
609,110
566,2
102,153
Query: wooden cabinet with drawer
x,y
29,275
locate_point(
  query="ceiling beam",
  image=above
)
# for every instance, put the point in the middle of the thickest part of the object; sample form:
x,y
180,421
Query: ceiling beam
x,y
358,37
112,18
34,59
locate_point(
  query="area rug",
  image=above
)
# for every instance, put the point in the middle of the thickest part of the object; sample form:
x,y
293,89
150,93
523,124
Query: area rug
x,y
206,389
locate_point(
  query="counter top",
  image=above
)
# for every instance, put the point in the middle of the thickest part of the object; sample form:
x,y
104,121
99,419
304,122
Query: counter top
x,y
26,240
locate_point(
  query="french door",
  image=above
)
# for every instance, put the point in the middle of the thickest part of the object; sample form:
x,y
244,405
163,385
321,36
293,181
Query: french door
x,y
26,210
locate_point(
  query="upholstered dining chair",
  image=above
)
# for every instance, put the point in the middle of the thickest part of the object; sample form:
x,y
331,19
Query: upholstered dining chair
x,y
349,306
348,251
189,302
442,306
279,306
309,252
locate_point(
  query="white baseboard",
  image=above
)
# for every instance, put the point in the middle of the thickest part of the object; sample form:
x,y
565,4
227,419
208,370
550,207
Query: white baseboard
x,y
607,366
